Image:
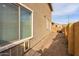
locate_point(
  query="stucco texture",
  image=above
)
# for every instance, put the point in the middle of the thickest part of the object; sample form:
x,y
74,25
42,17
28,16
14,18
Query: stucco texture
x,y
41,13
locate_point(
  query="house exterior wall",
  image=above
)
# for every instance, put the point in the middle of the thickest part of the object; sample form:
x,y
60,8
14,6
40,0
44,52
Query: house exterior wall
x,y
54,28
57,27
41,12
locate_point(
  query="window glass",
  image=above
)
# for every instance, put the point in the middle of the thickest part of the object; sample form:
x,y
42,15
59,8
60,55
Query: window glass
x,y
8,23
25,23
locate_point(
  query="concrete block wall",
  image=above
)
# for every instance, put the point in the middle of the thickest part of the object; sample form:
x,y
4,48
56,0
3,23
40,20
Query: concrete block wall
x,y
70,39
76,38
72,34
66,31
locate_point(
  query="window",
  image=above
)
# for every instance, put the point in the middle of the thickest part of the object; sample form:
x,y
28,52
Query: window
x,y
25,23
48,25
9,23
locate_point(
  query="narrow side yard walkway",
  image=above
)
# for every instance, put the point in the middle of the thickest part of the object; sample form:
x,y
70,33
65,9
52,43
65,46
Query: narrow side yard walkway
x,y
58,46
54,44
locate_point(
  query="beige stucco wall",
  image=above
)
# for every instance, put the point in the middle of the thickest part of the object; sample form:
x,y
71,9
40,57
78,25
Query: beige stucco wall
x,y
41,13
57,27
54,28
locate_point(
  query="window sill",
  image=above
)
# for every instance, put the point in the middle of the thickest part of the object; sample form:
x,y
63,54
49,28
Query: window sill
x,y
8,46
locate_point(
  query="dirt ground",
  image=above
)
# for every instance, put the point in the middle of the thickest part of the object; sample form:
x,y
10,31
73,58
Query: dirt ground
x,y
58,46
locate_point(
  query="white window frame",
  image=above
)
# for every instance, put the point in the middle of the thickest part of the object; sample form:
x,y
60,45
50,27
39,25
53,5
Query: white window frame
x,y
5,47
48,24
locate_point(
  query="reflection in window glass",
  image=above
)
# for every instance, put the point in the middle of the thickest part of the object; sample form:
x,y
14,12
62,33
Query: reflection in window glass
x,y
8,23
25,23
